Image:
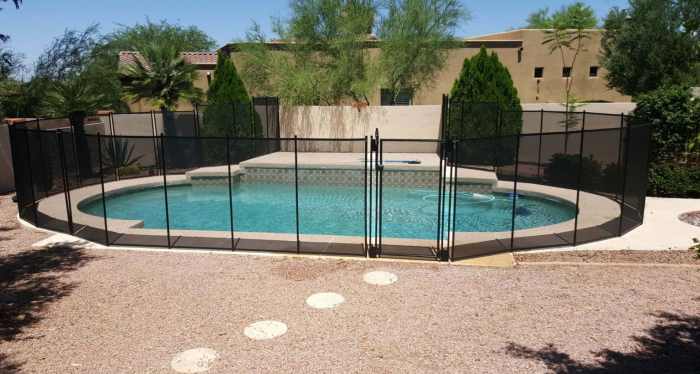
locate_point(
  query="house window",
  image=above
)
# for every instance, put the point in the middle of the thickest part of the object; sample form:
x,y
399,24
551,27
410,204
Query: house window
x,y
520,54
539,72
593,72
566,72
405,97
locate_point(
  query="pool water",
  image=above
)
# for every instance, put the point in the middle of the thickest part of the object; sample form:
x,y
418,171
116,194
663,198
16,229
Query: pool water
x,y
323,209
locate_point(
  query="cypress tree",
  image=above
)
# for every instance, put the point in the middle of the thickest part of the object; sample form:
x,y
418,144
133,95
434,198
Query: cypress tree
x,y
229,107
483,93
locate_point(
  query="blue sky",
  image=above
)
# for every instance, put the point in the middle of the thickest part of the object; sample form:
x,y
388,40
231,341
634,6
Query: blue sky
x,y
37,22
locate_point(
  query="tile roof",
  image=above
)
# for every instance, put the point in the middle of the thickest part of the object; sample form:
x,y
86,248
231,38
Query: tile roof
x,y
196,58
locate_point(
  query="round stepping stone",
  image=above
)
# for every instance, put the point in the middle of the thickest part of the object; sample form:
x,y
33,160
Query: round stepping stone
x,y
380,278
325,300
263,330
196,360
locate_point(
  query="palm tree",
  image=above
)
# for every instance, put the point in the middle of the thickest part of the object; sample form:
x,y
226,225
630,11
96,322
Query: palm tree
x,y
76,98
161,76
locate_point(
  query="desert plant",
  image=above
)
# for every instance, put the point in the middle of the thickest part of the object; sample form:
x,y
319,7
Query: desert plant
x,y
118,153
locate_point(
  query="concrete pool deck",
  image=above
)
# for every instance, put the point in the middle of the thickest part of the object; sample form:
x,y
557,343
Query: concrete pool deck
x,y
596,212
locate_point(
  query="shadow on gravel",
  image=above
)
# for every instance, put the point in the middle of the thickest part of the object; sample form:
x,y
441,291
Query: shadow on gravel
x,y
29,282
670,346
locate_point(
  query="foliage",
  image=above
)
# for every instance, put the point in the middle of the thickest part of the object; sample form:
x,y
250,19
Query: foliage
x,y
325,61
68,55
135,38
652,43
10,62
327,46
4,37
228,112
160,76
674,116
672,180
119,154
19,99
574,16
415,36
483,91
567,42
75,94
563,170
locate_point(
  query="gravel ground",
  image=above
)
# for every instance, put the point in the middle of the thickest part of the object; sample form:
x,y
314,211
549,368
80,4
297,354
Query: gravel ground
x,y
637,257
92,311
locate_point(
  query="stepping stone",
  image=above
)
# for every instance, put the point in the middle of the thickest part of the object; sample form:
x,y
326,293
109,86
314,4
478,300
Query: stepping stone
x,y
263,330
325,300
380,278
196,360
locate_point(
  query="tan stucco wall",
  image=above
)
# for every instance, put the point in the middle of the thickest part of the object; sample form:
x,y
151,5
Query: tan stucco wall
x,y
400,122
549,89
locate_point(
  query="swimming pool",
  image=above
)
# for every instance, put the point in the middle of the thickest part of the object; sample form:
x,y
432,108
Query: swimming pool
x,y
323,209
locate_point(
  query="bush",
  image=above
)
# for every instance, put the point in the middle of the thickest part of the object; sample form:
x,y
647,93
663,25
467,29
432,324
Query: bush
x,y
229,110
671,180
563,170
484,88
674,116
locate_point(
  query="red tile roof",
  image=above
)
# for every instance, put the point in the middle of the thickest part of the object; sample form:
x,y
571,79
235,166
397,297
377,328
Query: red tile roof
x,y
196,58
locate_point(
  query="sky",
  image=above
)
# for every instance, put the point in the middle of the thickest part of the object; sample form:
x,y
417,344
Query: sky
x,y
38,22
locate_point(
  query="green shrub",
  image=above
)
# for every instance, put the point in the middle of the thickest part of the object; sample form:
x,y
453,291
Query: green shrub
x,y
484,88
229,110
126,171
563,170
671,180
674,116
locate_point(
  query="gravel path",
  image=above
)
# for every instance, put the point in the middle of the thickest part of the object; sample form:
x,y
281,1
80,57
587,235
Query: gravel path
x,y
689,257
71,311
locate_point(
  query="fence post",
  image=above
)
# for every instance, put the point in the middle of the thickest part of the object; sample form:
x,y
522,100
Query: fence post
x,y
230,193
76,159
102,187
515,191
539,149
619,149
41,154
369,193
628,135
578,179
195,120
380,193
66,185
156,156
165,186
365,200
441,169
30,172
453,226
296,189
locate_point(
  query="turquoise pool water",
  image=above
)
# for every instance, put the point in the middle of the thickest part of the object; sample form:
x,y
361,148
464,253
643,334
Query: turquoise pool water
x,y
329,210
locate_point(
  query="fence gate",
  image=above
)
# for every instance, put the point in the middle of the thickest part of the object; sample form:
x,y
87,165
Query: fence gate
x,y
410,198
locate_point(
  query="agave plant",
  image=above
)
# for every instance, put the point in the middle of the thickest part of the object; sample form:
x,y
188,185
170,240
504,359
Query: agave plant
x,y
119,154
